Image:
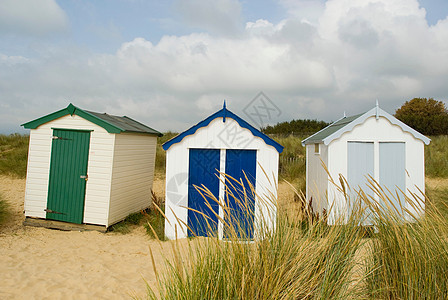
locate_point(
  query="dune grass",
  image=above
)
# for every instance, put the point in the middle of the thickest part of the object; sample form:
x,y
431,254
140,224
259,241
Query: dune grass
x,y
13,154
409,260
160,153
292,161
289,262
400,260
4,210
292,164
436,157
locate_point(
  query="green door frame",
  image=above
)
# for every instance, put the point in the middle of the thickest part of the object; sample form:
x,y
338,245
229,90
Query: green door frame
x,y
68,175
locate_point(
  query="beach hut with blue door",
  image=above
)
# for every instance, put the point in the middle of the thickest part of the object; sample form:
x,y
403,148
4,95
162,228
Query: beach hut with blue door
x,y
374,145
199,157
86,167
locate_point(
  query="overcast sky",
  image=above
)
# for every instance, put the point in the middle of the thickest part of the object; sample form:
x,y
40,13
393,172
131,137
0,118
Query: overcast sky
x,y
170,64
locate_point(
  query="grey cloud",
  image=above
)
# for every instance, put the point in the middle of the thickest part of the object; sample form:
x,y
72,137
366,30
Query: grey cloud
x,y
359,33
221,17
29,17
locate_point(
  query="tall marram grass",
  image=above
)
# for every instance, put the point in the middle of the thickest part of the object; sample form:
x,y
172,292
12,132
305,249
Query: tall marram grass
x,y
406,257
289,262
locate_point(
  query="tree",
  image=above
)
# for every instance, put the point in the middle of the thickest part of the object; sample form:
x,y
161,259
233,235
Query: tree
x,y
427,116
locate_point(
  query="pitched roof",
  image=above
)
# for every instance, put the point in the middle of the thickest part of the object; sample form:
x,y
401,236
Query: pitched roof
x,y
112,124
345,124
223,113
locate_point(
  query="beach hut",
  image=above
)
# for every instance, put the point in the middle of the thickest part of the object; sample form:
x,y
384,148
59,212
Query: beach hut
x,y
374,144
88,168
198,157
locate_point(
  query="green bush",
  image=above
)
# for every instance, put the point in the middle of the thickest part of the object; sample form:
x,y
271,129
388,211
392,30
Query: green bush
x,y
427,116
295,127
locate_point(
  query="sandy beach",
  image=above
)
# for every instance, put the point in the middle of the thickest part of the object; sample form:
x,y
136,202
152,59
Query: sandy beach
x,y
40,263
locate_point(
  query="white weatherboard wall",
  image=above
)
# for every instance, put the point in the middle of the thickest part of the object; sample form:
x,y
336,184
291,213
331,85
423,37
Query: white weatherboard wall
x,y
99,169
218,135
132,175
317,177
376,131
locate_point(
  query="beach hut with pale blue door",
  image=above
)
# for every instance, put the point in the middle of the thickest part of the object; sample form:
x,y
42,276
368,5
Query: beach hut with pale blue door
x,y
199,157
86,167
372,144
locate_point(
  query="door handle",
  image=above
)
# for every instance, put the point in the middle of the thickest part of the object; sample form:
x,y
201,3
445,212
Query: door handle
x,y
84,177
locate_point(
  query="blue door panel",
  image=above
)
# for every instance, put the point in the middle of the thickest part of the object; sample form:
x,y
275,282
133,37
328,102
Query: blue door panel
x,y
360,166
393,171
241,165
203,171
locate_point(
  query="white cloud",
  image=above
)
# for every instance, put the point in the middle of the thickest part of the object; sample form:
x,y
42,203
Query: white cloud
x,y
30,17
304,10
357,52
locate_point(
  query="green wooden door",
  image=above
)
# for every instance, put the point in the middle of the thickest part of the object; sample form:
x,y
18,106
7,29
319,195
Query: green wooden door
x,y
68,170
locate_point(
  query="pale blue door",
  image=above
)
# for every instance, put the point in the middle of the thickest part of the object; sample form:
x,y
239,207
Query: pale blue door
x,y
360,165
393,171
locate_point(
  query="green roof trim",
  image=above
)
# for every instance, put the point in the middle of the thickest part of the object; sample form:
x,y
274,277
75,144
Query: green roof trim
x,y
112,124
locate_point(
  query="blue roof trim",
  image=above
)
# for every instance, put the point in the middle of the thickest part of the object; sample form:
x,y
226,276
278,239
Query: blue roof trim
x,y
223,113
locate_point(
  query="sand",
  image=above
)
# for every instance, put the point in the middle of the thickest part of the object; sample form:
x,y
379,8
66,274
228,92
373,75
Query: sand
x,y
40,263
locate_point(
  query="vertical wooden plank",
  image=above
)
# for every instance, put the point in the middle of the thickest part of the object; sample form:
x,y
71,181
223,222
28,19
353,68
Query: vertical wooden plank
x,y
240,198
203,172
66,190
360,160
393,171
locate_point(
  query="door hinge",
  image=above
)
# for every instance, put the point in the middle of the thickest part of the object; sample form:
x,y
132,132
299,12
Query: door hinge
x,y
53,137
53,212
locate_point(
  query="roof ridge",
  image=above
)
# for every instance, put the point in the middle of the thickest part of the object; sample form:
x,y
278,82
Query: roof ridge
x,y
224,113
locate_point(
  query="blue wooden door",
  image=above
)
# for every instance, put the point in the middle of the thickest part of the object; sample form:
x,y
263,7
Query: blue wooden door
x,y
203,171
360,166
241,165
393,171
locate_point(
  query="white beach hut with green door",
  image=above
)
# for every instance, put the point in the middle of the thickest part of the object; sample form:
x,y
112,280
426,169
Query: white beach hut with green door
x,y
374,145
86,167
